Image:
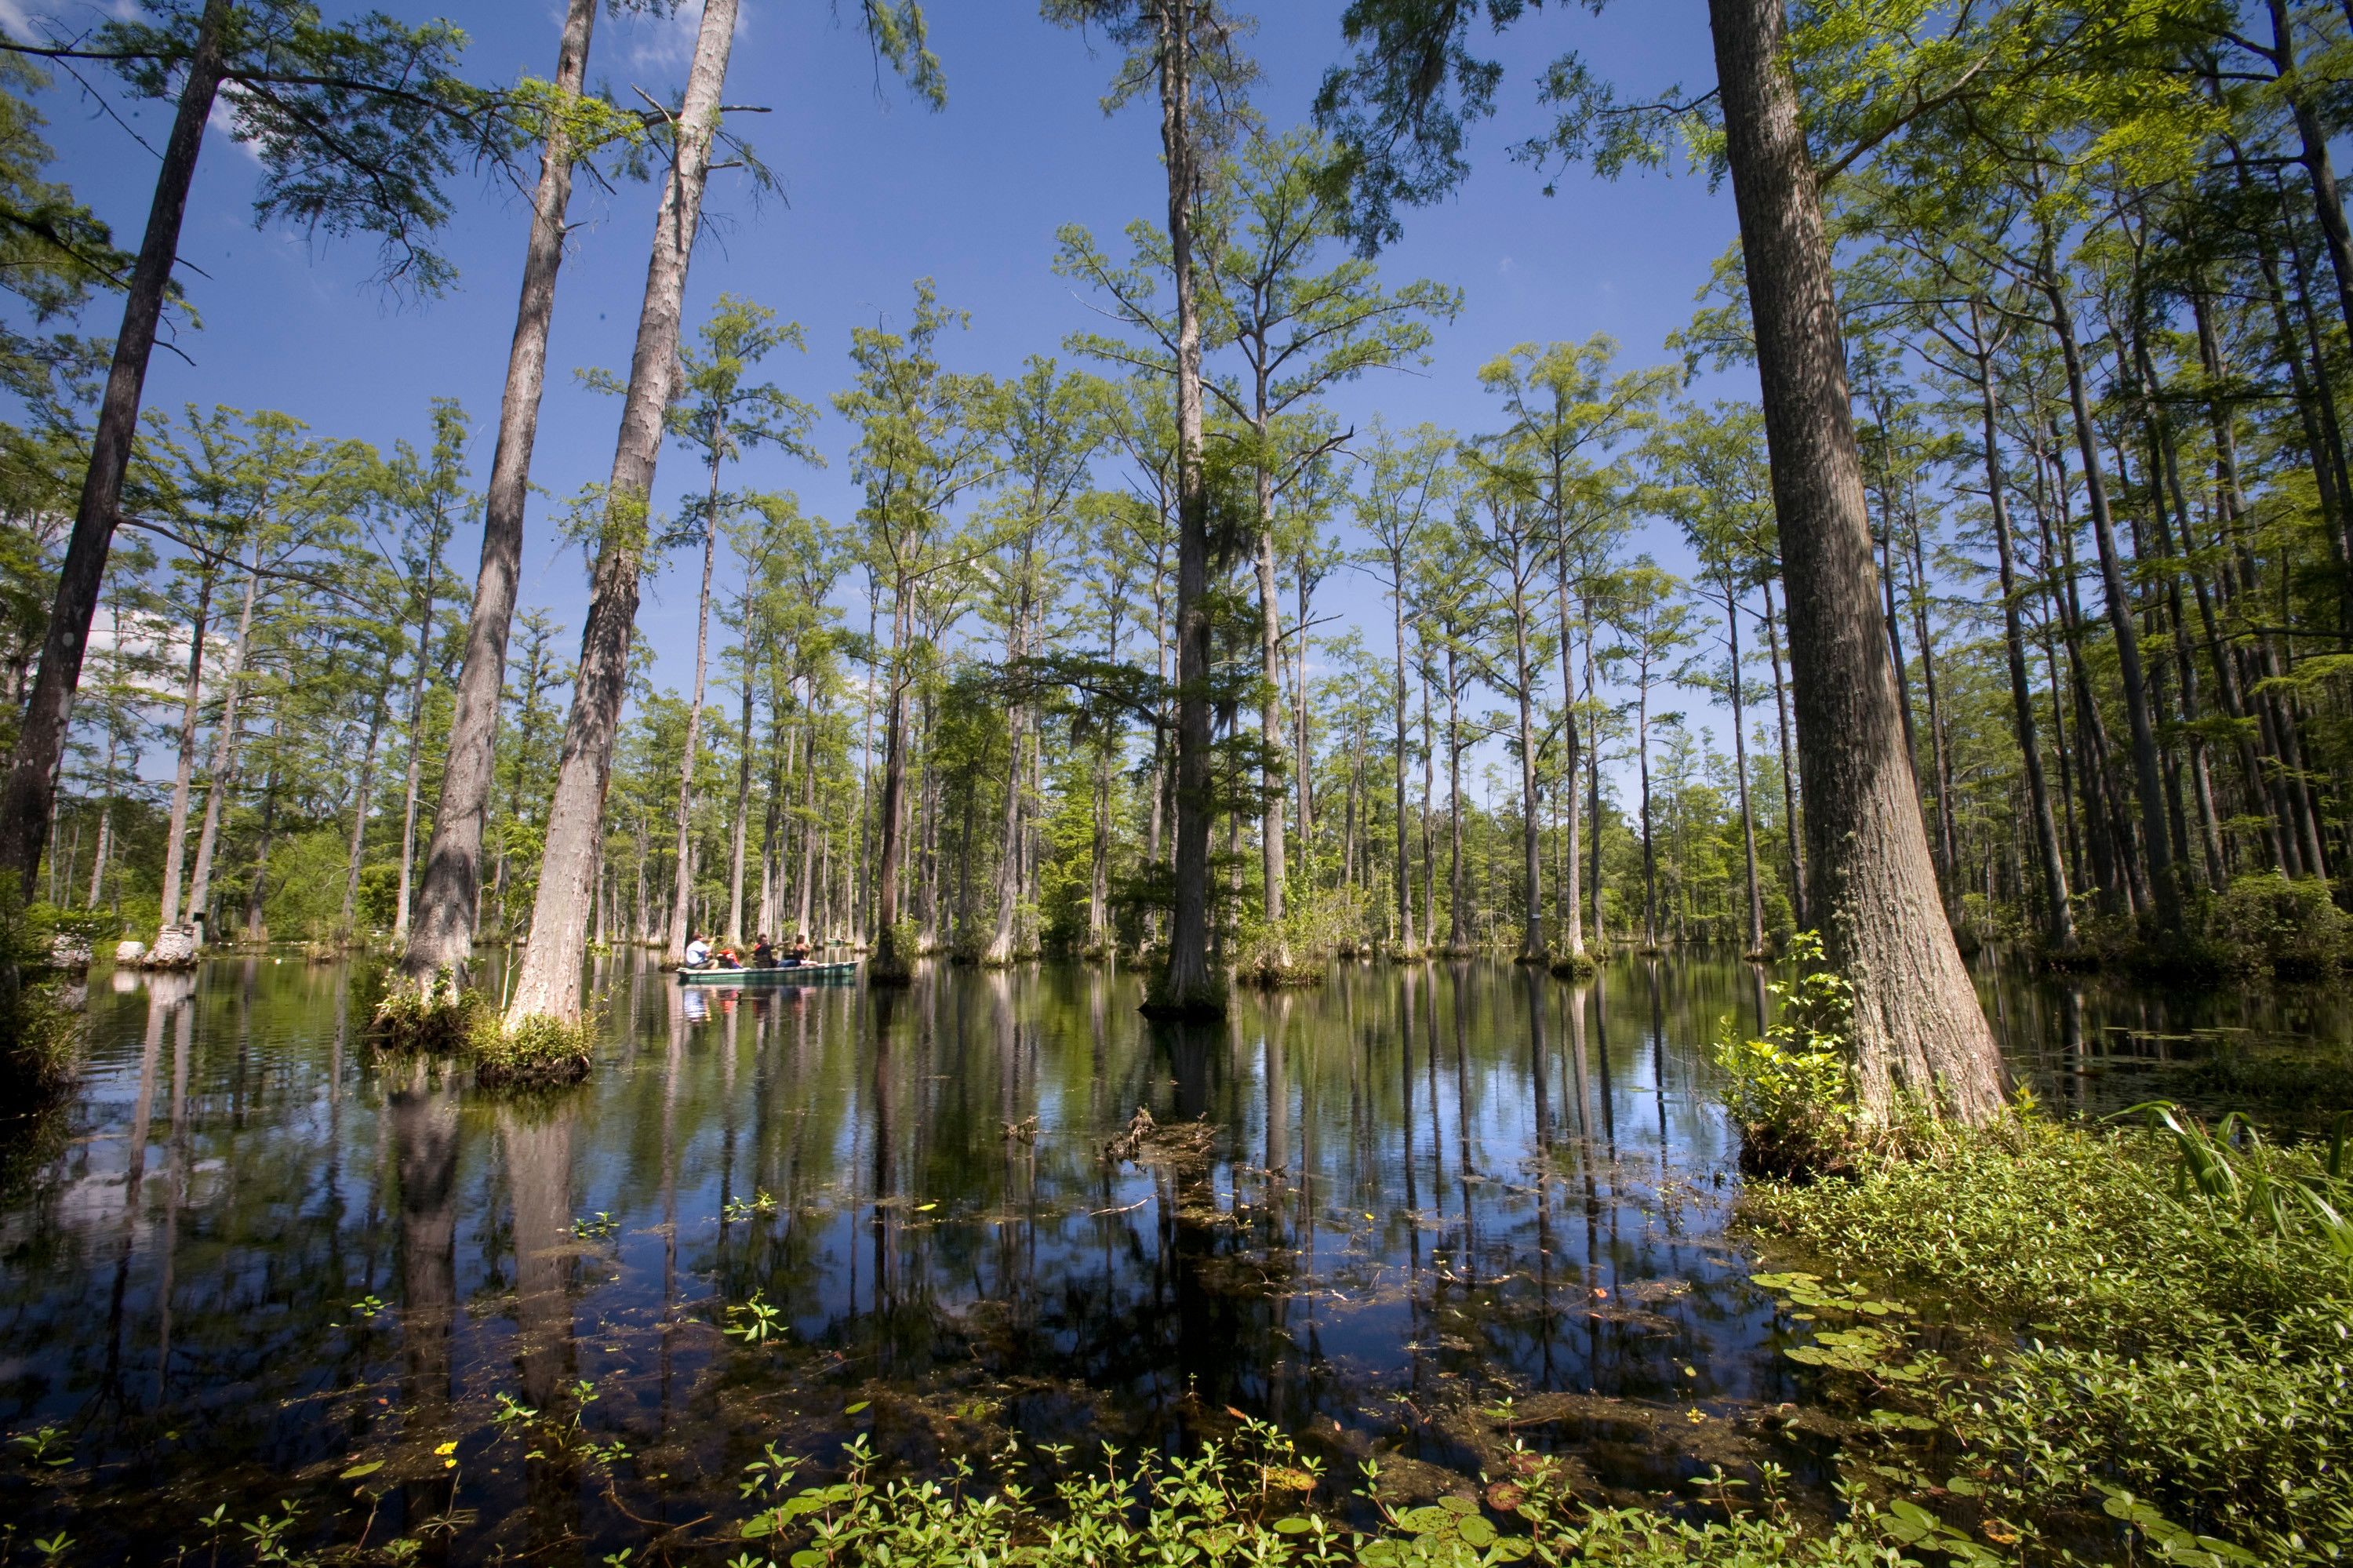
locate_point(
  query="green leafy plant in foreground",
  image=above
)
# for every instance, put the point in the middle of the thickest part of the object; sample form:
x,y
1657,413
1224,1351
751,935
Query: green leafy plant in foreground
x,y
1251,1501
1791,1094
2165,1322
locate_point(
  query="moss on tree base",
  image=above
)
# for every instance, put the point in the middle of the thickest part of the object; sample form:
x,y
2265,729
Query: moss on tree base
x,y
1576,967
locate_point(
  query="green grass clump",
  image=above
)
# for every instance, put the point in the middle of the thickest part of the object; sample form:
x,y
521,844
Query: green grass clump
x,y
2175,1318
532,1053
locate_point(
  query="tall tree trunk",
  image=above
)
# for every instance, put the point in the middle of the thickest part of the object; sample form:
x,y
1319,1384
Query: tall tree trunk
x,y
105,818
1000,947
442,936
1740,773
1916,592
31,788
743,799
1917,1027
255,926
416,684
1404,873
1270,718
2149,779
225,739
347,921
2327,206
682,891
1428,840
891,964
2058,916
549,985
811,832
175,828
1572,871
1649,839
1458,932
1532,922
1790,826
1187,985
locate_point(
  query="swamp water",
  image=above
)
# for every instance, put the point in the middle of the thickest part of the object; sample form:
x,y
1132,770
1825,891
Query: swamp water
x,y
1409,1217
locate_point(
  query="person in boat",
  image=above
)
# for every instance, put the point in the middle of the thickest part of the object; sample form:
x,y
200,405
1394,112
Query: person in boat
x,y
698,953
764,952
797,951
725,958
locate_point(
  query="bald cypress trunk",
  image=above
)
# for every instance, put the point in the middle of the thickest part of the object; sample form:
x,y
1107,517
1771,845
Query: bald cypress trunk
x,y
1917,1028
1187,985
682,890
2058,916
441,939
549,984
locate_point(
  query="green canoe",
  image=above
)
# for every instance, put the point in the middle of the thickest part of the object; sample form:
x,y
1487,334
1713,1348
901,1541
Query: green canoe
x,y
778,974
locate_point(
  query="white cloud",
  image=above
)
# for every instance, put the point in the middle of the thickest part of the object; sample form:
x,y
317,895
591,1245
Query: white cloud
x,y
668,44
222,122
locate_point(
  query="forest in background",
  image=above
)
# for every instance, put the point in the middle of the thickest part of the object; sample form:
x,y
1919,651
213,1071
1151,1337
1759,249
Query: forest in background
x,y
2095,281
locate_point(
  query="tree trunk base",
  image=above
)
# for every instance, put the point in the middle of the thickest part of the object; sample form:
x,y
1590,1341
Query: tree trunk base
x,y
1576,967
176,948
1205,1003
1537,960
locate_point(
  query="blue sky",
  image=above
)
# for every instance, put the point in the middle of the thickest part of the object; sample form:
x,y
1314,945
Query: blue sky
x,y
878,191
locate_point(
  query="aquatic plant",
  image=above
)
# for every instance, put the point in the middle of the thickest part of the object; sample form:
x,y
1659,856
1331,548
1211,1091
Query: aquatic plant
x,y
1253,1500
437,1020
539,1052
2167,1315
1791,1094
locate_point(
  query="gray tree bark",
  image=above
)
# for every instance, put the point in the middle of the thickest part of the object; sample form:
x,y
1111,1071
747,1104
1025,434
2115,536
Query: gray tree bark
x,y
549,984
1917,1029
441,939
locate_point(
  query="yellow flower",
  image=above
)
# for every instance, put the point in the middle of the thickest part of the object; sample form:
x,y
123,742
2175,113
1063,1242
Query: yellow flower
x,y
446,1448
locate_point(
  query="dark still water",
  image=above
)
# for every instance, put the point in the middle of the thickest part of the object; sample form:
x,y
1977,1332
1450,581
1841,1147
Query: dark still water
x,y
254,1257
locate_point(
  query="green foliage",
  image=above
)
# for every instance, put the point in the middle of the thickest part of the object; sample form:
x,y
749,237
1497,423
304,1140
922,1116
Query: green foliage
x,y
1791,1094
41,1019
1251,1499
2270,923
2170,1321
538,1052
436,1020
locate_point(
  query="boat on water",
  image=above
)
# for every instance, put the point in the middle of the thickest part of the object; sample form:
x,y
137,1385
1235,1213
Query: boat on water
x,y
772,975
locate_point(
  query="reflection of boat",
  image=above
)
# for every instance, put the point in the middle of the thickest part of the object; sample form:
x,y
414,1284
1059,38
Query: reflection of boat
x,y
774,974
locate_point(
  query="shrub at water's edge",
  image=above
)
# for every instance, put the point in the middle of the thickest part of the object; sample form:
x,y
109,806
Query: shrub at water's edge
x,y
42,1020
